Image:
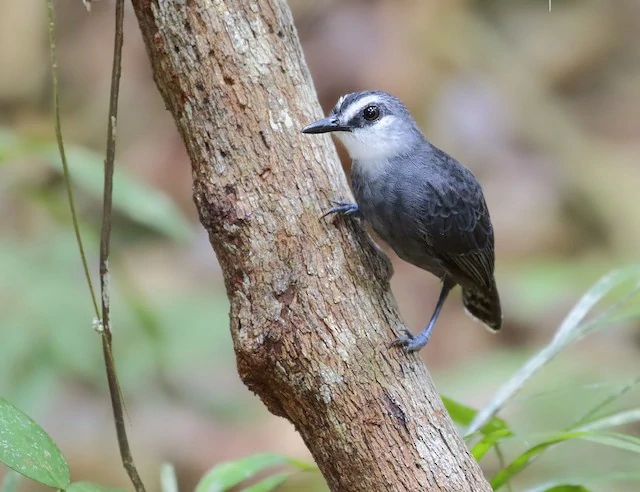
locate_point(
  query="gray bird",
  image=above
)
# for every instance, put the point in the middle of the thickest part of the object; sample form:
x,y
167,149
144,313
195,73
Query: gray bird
x,y
422,202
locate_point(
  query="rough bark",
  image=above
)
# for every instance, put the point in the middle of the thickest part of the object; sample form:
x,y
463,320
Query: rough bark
x,y
311,311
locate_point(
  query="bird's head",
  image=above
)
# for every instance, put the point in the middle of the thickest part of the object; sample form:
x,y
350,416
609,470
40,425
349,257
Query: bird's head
x,y
372,125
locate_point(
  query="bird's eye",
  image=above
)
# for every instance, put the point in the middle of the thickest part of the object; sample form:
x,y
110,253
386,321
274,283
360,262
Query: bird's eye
x,y
371,113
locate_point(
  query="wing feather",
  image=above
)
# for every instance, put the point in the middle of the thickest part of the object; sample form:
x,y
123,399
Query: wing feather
x,y
458,227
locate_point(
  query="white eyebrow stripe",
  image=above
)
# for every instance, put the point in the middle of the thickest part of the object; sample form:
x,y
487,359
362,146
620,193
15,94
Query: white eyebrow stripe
x,y
357,106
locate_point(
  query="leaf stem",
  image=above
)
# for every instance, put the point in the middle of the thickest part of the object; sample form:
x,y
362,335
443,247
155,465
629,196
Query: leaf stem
x,y
105,238
63,155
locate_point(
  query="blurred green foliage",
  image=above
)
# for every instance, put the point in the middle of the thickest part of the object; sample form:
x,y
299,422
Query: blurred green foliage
x,y
540,104
226,476
141,204
616,296
29,450
47,334
47,319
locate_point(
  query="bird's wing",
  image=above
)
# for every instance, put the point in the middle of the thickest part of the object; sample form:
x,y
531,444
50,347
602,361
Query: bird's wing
x,y
458,229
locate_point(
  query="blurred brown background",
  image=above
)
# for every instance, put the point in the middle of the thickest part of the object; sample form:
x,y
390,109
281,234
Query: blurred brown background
x,y
542,106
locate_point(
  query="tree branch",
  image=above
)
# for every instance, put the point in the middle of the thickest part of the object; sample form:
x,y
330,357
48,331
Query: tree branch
x,y
117,401
311,317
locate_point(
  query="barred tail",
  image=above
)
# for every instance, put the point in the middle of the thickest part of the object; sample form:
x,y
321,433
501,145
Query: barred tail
x,y
484,305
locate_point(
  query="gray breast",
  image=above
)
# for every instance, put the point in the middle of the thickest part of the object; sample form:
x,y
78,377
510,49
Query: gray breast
x,y
389,198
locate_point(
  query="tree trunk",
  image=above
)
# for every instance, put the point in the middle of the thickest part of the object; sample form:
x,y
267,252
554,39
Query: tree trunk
x,y
311,310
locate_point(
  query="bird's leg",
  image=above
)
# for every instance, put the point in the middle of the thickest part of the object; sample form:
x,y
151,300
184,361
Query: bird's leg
x,y
411,343
343,208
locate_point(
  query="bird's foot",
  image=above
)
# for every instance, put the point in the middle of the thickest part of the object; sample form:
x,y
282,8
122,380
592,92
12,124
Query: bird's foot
x,y
410,342
343,208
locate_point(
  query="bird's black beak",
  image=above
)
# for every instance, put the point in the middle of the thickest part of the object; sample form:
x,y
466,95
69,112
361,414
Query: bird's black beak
x,y
325,125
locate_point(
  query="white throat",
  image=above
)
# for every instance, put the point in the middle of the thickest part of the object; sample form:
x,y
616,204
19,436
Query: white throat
x,y
374,142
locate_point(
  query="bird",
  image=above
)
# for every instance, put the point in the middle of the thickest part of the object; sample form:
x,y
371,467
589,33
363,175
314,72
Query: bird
x,y
422,202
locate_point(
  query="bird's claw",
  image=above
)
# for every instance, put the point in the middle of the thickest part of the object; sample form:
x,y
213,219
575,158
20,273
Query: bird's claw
x,y
342,208
409,342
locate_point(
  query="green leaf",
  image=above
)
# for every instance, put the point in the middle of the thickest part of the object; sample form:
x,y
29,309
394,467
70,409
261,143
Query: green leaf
x,y
495,430
26,448
516,466
487,442
595,478
613,389
269,483
614,394
229,474
571,329
90,487
614,439
614,420
463,415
